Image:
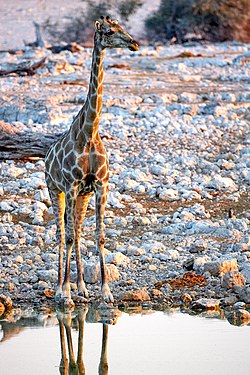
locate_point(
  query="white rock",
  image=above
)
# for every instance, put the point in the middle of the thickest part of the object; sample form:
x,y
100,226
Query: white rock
x,y
4,206
199,262
48,275
14,171
172,254
38,220
91,272
222,184
39,206
168,194
117,258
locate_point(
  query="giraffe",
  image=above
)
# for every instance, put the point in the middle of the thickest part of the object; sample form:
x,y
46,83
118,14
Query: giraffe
x,y
76,166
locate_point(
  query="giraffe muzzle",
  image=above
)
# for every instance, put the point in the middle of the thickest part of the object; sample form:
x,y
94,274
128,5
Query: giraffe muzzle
x,y
134,46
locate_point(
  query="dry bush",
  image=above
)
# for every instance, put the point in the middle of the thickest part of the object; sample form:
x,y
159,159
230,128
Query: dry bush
x,y
215,20
221,20
171,20
81,28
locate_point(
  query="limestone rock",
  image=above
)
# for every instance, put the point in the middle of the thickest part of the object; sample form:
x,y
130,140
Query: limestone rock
x,y
224,184
219,268
48,275
232,280
92,275
245,294
246,272
136,295
117,258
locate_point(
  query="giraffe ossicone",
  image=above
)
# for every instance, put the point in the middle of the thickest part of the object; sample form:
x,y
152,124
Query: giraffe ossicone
x,y
76,166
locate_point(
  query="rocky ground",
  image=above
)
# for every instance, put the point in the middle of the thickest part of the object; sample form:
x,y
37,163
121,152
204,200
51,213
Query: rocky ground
x,y
176,125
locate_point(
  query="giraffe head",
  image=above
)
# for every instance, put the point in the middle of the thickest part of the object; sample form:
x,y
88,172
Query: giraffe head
x,y
109,34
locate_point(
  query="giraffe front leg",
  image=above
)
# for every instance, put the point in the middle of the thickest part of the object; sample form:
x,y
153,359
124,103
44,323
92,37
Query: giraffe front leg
x,y
70,236
101,198
80,212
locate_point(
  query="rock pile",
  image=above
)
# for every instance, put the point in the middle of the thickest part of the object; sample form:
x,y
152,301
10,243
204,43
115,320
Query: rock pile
x,y
178,144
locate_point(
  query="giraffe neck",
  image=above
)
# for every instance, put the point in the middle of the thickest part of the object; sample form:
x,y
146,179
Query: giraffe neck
x,y
93,104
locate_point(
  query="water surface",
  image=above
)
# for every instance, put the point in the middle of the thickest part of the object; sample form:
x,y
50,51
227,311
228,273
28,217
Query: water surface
x,y
149,343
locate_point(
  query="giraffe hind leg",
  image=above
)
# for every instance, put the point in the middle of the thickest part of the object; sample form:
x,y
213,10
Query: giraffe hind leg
x,y
70,200
101,198
58,203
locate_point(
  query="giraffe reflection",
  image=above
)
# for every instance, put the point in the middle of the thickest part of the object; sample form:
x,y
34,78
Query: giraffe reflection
x,y
73,366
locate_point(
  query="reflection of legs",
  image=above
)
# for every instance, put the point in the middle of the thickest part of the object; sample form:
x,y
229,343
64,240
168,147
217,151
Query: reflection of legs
x,y
72,362
58,202
103,366
101,197
81,318
80,212
64,364
70,235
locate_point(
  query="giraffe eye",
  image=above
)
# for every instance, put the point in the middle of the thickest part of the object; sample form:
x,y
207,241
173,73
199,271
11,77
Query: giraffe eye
x,y
110,32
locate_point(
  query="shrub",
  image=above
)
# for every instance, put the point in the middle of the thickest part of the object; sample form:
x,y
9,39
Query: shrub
x,y
81,28
221,20
215,20
171,20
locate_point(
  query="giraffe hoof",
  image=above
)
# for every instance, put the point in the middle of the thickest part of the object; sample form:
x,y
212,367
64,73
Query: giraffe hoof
x,y
67,302
82,290
107,296
83,293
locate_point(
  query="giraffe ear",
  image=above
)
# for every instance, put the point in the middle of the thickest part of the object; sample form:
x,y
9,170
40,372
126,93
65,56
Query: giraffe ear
x,y
97,25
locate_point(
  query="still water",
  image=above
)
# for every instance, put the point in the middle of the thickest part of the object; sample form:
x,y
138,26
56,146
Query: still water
x,y
158,343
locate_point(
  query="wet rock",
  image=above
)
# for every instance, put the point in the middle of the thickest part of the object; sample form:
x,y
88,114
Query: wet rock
x,y
239,306
186,298
219,268
136,295
233,280
6,302
206,304
238,317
